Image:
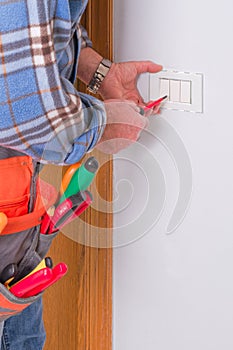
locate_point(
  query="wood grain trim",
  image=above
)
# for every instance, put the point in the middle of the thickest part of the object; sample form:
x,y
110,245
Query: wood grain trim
x,y
99,301
78,310
100,23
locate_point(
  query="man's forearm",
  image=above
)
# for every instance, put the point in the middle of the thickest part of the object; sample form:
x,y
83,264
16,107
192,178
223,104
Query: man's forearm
x,y
89,61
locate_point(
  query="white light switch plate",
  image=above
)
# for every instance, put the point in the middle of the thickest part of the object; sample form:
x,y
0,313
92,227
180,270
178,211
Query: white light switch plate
x,y
157,85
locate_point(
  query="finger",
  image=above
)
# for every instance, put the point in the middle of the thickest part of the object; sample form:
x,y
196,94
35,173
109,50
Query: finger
x,y
156,110
152,111
149,112
139,109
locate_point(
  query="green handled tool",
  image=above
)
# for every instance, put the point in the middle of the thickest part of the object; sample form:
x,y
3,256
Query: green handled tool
x,y
81,178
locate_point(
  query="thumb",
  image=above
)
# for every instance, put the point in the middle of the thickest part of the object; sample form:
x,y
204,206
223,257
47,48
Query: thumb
x,y
147,67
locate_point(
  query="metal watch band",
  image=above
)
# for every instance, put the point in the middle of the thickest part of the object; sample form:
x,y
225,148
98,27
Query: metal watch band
x,y
99,75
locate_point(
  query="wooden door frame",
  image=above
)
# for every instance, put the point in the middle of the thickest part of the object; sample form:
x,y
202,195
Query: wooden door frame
x,y
78,310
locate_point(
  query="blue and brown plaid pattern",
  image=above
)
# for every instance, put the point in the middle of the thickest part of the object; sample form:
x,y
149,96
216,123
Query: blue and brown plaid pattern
x,y
41,113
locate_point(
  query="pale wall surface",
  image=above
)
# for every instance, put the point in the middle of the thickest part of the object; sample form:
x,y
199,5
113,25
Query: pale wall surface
x,y
176,291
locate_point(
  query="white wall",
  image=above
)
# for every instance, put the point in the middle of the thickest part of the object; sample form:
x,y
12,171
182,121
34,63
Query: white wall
x,y
176,291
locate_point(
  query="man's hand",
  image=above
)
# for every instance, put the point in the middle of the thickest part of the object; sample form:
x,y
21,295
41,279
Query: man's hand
x,y
122,99
121,80
124,125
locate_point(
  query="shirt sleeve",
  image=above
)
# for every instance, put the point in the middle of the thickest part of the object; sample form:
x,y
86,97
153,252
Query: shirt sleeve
x,y
42,114
85,40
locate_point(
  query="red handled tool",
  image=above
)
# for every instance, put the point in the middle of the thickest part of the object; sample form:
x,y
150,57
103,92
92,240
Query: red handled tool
x,y
38,281
68,210
58,272
155,103
34,280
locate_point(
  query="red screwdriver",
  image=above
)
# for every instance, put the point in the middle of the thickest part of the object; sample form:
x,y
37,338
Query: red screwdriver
x,y
155,103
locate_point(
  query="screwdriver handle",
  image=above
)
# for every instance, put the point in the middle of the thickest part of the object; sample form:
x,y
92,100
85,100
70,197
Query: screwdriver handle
x,y
81,179
3,221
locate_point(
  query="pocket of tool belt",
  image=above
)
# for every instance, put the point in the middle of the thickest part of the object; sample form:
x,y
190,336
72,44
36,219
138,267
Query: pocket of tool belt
x,y
10,305
15,182
37,248
46,197
36,252
21,241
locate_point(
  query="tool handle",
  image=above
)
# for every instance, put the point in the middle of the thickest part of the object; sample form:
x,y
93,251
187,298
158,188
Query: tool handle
x,y
58,272
155,103
81,179
32,281
3,221
67,177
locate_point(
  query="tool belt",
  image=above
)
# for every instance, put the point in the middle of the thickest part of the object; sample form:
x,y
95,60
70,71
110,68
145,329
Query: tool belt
x,y
24,199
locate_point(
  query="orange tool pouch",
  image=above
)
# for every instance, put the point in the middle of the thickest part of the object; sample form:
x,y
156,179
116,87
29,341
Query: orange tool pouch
x,y
24,199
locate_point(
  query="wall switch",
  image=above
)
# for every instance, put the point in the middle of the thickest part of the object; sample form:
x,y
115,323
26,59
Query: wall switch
x,y
164,87
184,90
174,89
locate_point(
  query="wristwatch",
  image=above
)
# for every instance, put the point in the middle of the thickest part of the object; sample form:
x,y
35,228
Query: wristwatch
x,y
99,75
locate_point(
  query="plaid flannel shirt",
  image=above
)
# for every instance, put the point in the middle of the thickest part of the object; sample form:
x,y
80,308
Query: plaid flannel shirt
x,y
41,113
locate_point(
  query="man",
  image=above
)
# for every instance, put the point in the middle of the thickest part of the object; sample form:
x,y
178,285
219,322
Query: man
x,y
43,48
